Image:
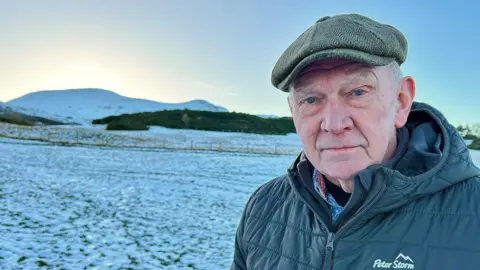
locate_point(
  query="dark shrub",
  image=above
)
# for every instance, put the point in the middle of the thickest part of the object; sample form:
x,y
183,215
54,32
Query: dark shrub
x,y
127,124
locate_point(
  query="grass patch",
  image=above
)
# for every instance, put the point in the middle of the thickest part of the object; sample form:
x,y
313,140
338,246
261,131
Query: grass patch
x,y
41,263
133,260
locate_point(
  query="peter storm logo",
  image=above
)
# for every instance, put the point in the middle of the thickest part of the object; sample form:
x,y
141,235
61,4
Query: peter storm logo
x,y
401,262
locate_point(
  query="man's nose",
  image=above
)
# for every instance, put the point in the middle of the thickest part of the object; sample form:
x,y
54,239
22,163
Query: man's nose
x,y
336,119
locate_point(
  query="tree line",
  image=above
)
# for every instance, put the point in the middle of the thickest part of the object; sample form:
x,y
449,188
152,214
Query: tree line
x,y
200,120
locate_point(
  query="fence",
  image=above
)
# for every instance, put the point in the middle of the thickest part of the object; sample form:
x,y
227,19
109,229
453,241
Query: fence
x,y
91,137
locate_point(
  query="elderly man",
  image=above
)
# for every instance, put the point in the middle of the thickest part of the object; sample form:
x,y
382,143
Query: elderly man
x,y
382,182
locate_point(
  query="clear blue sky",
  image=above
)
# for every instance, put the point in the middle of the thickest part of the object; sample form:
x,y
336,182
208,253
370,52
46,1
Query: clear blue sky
x,y
221,51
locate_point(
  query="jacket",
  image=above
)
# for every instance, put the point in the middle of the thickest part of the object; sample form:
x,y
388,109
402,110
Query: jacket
x,y
420,210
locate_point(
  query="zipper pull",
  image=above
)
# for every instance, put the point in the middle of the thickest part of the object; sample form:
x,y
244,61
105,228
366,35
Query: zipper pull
x,y
330,241
328,260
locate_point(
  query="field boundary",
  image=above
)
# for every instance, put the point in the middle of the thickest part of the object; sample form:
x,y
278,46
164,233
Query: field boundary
x,y
100,138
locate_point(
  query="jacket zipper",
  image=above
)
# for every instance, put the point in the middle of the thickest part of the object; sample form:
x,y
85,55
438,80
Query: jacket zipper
x,y
329,248
328,260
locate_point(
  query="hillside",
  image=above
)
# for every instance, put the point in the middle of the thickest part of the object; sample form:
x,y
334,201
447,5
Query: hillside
x,y
84,105
200,120
7,115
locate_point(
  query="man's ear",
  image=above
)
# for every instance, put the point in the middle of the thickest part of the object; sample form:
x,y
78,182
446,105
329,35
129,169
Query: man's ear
x,y
405,96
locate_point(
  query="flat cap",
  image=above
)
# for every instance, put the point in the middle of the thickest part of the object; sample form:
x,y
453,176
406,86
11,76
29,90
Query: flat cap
x,y
346,36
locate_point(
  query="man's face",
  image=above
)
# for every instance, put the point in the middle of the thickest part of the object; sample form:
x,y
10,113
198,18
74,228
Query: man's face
x,y
345,114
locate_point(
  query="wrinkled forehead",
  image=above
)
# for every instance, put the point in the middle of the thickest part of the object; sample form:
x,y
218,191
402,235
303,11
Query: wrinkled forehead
x,y
344,70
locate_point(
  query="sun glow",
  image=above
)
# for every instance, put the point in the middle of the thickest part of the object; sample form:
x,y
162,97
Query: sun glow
x,y
81,76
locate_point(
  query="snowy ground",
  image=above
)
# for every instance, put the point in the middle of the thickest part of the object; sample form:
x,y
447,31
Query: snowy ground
x,y
475,157
110,208
99,207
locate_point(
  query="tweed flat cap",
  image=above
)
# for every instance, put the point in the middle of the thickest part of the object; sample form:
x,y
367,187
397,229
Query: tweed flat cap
x,y
346,36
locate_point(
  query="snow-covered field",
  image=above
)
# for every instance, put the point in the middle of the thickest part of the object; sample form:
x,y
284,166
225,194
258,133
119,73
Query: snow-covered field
x,y
99,207
111,208
475,157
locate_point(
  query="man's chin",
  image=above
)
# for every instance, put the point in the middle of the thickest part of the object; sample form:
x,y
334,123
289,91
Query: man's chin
x,y
341,170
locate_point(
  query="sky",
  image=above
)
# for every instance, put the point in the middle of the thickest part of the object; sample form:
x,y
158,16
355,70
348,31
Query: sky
x,y
221,51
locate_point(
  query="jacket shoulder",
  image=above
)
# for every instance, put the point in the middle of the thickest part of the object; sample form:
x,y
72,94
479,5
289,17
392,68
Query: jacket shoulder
x,y
465,193
457,200
272,192
466,188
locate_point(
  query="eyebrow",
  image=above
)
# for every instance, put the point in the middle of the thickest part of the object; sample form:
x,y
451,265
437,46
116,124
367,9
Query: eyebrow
x,y
364,74
362,70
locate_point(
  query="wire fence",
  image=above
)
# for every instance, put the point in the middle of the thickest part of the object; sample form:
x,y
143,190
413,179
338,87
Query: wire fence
x,y
84,136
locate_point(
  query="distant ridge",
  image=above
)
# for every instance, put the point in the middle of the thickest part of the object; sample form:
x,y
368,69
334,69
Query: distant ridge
x,y
84,105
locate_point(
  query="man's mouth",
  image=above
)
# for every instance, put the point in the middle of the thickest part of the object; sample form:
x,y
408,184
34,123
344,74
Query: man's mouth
x,y
341,149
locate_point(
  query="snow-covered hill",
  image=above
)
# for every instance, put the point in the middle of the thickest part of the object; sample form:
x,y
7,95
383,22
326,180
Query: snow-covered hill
x,y
84,105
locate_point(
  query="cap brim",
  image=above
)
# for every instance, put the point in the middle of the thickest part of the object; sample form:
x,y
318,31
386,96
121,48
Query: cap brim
x,y
338,53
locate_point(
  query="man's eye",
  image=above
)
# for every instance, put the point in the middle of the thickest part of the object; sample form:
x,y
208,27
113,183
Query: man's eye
x,y
358,92
309,100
